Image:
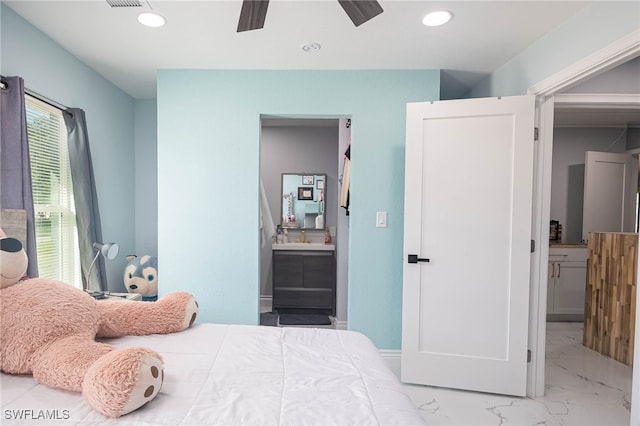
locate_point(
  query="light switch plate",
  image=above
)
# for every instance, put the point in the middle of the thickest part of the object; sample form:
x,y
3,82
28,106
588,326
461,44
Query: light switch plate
x,y
381,219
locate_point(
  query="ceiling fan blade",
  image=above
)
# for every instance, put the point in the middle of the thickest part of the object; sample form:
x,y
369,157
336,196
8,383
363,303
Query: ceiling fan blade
x,y
252,15
360,11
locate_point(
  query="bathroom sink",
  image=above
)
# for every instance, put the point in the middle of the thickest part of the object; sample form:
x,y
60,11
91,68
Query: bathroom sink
x,y
303,246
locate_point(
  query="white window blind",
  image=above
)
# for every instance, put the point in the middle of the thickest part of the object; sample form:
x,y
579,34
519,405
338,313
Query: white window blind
x,y
55,219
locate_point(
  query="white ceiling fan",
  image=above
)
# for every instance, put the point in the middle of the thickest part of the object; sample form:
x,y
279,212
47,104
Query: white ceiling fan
x,y
254,12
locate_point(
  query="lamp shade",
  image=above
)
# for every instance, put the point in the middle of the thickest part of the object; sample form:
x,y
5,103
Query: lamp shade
x,y
108,250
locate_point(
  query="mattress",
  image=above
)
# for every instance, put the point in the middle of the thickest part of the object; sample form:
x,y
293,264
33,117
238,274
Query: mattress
x,y
218,374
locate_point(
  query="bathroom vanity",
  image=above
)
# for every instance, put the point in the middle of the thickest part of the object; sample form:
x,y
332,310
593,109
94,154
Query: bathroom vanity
x,y
304,278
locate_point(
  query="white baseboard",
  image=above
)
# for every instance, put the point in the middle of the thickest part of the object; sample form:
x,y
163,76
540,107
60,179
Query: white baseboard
x,y
393,359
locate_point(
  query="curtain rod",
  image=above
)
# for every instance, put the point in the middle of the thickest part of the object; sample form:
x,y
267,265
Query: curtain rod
x,y
45,99
4,85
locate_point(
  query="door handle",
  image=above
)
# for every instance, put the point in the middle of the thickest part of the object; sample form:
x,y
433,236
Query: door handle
x,y
413,258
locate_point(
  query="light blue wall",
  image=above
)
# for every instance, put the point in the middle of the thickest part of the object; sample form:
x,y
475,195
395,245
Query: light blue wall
x,y
145,182
208,183
590,30
51,71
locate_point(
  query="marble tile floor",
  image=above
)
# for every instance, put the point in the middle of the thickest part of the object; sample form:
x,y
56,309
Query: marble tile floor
x,y
582,388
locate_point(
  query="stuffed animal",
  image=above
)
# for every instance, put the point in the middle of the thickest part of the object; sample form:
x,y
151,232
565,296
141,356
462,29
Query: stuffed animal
x,y
141,276
48,329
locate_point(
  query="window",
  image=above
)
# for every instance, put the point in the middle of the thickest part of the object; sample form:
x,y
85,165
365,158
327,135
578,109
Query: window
x,y
55,219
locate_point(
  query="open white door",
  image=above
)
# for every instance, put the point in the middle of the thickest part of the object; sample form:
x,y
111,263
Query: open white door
x,y
468,206
610,187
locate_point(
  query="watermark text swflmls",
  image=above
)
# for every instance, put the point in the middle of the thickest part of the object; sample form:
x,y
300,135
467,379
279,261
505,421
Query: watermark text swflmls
x,y
30,414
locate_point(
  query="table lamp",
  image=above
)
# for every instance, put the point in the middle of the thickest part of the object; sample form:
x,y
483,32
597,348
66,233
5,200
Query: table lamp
x,y
109,251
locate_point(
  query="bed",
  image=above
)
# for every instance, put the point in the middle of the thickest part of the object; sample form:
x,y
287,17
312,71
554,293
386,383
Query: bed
x,y
217,374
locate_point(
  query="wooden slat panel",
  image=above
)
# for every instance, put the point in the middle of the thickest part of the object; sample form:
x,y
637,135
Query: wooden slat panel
x,y
610,308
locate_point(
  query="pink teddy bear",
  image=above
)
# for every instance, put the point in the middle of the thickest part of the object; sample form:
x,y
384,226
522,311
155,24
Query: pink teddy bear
x,y
48,329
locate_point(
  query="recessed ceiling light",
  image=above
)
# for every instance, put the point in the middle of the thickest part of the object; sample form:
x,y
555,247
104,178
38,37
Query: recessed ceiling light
x,y
151,19
311,47
439,17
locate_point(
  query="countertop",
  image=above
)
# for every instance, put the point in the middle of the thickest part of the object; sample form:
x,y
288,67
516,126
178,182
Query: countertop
x,y
304,246
553,244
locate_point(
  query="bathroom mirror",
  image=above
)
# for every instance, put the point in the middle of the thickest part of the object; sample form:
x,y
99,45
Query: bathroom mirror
x,y
303,201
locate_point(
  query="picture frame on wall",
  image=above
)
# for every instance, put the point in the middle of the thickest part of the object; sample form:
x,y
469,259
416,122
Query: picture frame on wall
x,y
305,193
307,180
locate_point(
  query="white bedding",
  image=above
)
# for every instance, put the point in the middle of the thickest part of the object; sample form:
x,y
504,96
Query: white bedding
x,y
240,375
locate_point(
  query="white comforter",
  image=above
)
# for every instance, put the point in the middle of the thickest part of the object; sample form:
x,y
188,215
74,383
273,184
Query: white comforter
x,y
240,375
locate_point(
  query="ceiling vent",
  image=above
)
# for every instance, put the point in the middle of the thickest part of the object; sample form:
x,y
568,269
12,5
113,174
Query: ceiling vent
x,y
124,3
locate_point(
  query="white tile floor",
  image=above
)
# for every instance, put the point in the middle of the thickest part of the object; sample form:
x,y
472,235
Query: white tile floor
x,y
582,388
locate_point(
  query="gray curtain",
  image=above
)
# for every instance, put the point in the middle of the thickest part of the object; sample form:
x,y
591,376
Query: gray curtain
x,y
15,170
85,197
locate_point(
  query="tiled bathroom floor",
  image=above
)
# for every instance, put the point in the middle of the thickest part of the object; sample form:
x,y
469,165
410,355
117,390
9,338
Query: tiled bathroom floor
x,y
582,388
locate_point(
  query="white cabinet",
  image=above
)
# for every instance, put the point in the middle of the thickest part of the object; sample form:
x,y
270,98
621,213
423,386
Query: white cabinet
x,y
566,283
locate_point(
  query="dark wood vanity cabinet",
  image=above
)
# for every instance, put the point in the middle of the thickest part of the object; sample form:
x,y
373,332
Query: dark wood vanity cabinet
x,y
304,281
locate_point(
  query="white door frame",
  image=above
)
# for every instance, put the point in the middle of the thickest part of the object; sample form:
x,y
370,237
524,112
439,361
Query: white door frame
x,y
605,59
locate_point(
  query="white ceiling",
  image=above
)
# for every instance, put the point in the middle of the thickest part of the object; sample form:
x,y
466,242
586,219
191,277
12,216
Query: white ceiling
x,y
202,35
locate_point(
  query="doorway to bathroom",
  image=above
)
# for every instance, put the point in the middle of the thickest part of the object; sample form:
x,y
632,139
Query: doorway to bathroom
x,y
308,146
